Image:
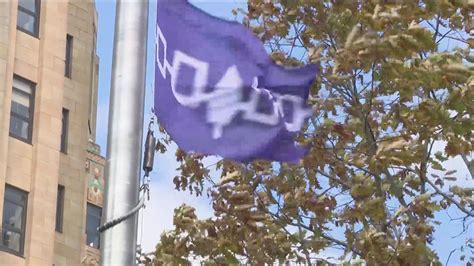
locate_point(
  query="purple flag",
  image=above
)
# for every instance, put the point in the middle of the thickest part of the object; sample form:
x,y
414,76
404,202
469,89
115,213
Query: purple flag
x,y
217,92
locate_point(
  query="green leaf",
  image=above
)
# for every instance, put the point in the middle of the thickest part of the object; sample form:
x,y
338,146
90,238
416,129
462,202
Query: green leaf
x,y
435,165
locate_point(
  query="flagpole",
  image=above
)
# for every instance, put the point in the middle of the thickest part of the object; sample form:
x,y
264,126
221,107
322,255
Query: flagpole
x,y
122,169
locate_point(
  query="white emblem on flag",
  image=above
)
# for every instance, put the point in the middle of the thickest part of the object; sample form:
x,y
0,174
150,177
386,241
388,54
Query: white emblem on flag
x,y
226,100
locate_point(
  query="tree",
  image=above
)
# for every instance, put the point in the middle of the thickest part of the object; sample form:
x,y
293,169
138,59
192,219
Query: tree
x,y
396,77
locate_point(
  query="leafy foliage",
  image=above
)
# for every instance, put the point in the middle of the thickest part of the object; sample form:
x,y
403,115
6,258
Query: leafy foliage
x,y
396,77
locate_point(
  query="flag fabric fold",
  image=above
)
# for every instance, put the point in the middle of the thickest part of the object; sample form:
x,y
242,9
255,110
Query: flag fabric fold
x,y
217,92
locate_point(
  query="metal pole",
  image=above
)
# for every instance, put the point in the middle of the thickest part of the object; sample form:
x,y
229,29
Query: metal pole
x,y
122,169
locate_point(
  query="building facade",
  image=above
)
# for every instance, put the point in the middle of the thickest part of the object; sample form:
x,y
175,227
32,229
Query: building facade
x,y
51,173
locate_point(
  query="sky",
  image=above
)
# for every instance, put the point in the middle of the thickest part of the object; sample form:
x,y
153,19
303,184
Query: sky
x,y
158,215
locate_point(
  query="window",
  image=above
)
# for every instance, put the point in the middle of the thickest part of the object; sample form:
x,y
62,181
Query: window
x,y
65,124
60,209
94,214
28,16
14,220
21,120
68,58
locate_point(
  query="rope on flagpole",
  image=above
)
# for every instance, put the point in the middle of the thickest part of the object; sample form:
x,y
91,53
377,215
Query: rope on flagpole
x,y
124,217
148,159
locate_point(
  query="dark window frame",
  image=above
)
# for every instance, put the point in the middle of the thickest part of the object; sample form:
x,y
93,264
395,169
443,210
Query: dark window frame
x,y
60,209
22,232
68,57
64,130
35,15
31,109
100,218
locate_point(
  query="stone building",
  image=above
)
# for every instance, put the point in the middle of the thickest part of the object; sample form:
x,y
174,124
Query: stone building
x,y
51,173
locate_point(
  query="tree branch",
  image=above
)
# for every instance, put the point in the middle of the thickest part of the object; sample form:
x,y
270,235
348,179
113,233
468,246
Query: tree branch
x,y
329,238
469,164
449,257
450,199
